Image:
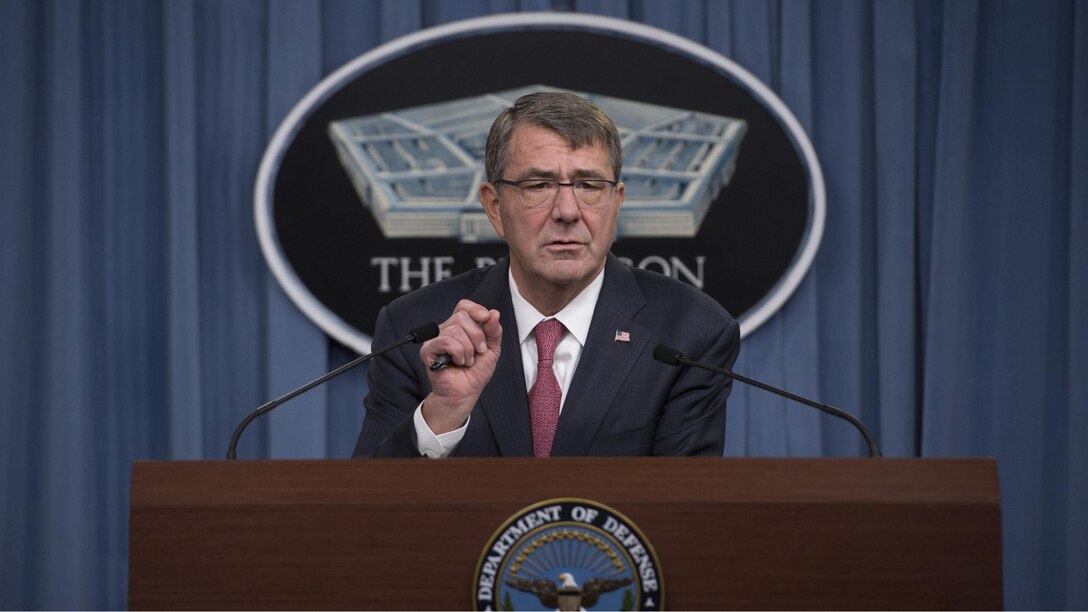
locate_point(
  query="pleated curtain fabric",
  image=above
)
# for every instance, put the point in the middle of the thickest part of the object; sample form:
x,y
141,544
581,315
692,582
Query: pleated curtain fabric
x,y
139,320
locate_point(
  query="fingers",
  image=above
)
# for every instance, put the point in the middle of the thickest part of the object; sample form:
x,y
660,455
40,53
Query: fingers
x,y
470,331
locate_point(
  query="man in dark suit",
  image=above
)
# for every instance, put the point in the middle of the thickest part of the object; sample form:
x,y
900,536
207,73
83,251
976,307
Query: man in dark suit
x,y
550,350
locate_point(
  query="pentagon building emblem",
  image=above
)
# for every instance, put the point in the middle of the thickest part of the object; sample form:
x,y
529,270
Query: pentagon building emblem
x,y
418,170
369,187
568,554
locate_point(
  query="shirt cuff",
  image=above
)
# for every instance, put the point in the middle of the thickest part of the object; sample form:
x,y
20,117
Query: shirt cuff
x,y
435,446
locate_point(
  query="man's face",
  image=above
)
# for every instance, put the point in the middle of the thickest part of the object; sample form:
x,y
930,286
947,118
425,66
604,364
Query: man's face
x,y
558,246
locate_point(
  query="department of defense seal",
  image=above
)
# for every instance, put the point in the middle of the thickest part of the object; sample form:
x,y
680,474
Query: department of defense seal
x,y
568,554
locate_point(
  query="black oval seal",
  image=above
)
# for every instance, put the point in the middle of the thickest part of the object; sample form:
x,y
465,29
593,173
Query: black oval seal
x,y
757,214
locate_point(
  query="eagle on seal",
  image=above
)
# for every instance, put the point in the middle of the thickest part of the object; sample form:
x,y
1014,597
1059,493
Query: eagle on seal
x,y
568,597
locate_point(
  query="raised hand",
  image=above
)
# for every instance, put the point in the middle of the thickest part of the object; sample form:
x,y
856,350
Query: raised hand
x,y
472,337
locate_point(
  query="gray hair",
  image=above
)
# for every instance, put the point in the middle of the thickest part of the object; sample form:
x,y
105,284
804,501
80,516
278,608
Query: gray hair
x,y
581,122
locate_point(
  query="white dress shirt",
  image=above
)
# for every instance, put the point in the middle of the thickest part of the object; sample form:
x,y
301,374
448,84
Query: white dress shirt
x,y
575,316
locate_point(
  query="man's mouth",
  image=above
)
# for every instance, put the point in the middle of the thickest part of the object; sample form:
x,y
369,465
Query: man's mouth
x,y
563,244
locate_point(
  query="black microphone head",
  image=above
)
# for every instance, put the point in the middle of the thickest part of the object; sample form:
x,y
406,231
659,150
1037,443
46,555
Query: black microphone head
x,y
424,332
667,354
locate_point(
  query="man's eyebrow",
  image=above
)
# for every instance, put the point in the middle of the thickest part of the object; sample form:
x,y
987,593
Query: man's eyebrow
x,y
589,174
537,173
580,173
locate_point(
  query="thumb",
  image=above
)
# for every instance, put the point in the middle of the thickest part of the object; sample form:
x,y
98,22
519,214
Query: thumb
x,y
493,331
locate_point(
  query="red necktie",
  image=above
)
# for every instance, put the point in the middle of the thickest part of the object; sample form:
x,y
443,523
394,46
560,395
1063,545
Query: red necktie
x,y
545,395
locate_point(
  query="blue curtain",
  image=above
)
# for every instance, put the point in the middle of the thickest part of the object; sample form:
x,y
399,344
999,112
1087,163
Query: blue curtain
x,y
138,319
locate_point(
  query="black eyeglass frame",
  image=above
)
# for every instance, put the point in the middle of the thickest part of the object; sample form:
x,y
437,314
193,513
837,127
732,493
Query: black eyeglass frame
x,y
559,184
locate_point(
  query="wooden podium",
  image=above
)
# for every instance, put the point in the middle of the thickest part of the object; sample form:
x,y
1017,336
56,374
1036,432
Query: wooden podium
x,y
407,534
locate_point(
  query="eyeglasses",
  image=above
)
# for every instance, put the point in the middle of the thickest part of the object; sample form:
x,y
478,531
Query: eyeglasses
x,y
535,192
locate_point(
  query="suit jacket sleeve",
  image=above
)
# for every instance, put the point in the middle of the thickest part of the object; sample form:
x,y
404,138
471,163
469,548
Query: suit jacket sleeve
x,y
397,386
692,419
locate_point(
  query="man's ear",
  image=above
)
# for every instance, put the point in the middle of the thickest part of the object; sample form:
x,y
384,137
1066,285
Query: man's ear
x,y
489,199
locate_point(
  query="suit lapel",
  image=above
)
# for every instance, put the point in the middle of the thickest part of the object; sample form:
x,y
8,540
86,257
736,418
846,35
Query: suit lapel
x,y
504,400
605,362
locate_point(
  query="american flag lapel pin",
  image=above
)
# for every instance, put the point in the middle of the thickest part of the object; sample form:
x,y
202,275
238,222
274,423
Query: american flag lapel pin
x,y
622,336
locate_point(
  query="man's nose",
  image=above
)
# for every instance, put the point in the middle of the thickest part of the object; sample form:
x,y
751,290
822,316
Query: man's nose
x,y
565,208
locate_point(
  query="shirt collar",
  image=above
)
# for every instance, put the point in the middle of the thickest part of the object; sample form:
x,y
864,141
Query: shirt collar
x,y
575,316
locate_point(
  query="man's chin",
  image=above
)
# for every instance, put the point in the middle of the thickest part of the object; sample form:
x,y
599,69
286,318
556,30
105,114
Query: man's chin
x,y
569,272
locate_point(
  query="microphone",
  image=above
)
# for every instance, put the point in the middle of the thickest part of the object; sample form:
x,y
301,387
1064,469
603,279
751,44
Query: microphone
x,y
671,356
440,362
418,335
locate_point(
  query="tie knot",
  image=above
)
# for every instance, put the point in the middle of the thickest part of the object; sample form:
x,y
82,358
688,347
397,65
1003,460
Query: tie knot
x,y
548,334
